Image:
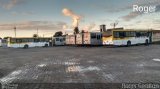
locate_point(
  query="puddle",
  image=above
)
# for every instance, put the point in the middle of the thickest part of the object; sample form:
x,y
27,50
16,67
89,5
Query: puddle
x,y
91,68
90,61
81,69
70,63
42,65
11,76
158,60
73,69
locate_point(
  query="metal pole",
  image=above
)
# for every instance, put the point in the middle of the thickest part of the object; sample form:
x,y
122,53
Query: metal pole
x,y
15,31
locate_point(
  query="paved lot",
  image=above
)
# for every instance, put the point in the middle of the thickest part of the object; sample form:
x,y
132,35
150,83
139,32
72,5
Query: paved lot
x,y
80,64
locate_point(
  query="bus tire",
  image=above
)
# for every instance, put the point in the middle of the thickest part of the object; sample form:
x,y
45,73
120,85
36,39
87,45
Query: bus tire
x,y
146,42
128,43
46,45
26,46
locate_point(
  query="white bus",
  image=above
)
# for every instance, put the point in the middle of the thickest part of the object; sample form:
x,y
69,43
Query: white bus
x,y
126,37
85,39
59,41
3,42
89,38
28,42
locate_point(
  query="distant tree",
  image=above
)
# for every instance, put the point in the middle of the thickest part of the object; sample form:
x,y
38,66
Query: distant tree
x,y
0,38
6,37
57,34
76,30
35,35
82,31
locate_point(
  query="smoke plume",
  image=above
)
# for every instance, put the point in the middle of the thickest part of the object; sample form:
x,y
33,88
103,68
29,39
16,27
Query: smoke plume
x,y
89,27
76,18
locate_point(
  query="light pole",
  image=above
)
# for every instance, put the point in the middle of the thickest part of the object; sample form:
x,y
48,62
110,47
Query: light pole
x,y
15,31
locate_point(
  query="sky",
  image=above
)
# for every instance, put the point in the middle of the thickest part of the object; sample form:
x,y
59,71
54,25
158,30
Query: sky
x,y
49,16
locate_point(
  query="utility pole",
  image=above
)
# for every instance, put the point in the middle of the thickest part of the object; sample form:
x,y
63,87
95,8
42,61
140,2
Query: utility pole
x,y
114,24
15,31
37,31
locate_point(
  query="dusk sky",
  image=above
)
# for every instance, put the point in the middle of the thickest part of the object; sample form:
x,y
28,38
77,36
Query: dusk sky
x,y
47,16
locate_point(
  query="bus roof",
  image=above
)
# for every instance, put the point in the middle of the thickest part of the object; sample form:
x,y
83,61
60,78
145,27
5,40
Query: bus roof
x,y
131,30
155,30
28,37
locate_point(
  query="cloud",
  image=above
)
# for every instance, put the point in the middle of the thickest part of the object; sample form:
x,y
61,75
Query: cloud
x,y
32,25
8,4
146,2
131,15
147,23
129,4
27,13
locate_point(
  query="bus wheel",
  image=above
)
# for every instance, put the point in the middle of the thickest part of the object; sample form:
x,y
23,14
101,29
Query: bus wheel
x,y
25,46
128,43
146,42
46,45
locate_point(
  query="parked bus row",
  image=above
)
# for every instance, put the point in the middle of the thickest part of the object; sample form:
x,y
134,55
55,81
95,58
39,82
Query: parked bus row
x,y
117,37
113,37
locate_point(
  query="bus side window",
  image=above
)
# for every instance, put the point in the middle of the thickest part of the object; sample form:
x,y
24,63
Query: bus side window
x,y
122,34
98,37
19,41
61,40
57,39
36,40
93,35
116,34
138,34
132,34
128,34
13,40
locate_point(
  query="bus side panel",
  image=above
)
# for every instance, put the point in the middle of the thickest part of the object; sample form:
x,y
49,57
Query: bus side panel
x,y
134,40
67,40
70,40
107,40
155,37
87,39
98,40
21,45
60,42
79,39
14,45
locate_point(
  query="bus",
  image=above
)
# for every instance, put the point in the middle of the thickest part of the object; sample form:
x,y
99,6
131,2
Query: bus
x,y
155,36
89,39
26,42
3,42
85,39
126,37
59,41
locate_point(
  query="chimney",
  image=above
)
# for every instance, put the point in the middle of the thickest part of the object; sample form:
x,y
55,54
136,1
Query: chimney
x,y
102,28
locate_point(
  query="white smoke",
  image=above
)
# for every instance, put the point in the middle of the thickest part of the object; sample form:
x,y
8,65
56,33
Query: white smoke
x,y
89,27
76,18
